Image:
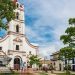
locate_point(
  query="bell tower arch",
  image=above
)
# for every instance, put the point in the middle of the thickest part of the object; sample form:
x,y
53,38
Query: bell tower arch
x,y
17,28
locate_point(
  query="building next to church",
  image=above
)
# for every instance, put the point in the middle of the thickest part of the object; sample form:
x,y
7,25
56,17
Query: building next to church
x,y
57,64
15,44
60,65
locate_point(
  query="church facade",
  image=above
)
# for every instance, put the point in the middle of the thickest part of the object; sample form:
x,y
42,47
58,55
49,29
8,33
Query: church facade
x,y
15,44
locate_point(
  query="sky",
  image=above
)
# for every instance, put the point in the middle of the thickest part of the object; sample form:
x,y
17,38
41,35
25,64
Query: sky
x,y
46,21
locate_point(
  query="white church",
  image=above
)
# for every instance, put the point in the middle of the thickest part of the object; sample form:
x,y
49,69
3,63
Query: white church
x,y
15,44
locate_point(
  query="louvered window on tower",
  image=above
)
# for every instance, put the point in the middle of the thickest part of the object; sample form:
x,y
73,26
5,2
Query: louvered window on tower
x,y
17,28
0,48
17,5
17,15
17,47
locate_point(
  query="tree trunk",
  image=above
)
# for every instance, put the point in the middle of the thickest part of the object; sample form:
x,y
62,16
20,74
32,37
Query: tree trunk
x,y
67,71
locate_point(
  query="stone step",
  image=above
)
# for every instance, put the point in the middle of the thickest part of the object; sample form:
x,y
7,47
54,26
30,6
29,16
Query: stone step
x,y
5,70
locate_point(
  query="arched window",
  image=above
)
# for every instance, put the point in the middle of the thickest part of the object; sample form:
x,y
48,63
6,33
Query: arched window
x,y
17,28
17,15
17,5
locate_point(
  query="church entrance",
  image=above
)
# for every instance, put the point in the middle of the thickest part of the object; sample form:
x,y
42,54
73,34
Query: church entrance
x,y
17,62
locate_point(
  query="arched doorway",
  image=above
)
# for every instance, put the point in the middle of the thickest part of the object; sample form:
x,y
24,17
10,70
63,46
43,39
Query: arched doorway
x,y
17,62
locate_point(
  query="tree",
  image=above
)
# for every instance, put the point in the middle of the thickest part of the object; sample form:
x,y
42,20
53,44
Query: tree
x,y
6,11
68,52
34,60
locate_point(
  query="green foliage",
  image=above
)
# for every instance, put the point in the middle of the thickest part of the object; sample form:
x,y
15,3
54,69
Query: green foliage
x,y
34,60
70,31
3,26
67,53
6,11
72,21
66,39
69,67
69,37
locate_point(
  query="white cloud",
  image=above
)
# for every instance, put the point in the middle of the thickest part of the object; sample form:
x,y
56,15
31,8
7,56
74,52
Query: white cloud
x,y
46,51
51,13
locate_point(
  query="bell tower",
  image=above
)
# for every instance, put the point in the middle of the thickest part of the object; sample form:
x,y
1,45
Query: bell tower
x,y
19,11
17,25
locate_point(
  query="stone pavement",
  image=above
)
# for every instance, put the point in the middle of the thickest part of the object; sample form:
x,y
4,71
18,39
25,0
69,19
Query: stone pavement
x,y
59,71
31,72
37,73
49,73
72,72
4,70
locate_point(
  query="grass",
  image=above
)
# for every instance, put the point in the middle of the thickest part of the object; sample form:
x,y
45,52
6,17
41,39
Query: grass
x,y
9,74
13,74
43,73
63,74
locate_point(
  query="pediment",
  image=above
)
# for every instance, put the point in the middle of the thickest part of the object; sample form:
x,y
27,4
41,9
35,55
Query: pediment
x,y
17,39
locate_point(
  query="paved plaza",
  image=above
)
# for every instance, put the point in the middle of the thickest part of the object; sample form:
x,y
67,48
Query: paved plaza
x,y
31,72
38,72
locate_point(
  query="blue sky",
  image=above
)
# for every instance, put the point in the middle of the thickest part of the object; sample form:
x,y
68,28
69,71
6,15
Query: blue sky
x,y
46,21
